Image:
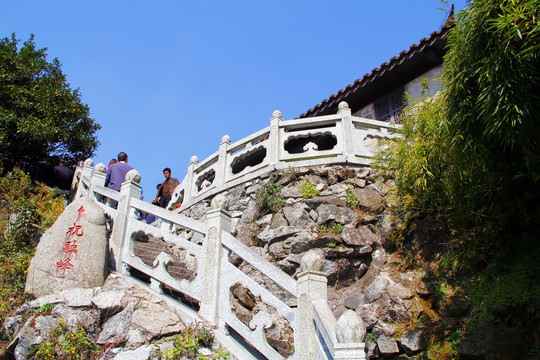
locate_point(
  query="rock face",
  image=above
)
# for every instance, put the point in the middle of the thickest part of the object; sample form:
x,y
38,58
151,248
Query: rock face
x,y
72,253
348,221
135,327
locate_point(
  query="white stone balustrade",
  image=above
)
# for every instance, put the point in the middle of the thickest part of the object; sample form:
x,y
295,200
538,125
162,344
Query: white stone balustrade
x,y
355,142
317,334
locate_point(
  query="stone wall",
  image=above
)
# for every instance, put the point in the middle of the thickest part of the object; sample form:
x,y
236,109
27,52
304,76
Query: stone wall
x,y
345,214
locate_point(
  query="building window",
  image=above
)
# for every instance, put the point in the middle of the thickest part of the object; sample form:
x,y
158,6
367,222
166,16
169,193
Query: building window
x,y
390,107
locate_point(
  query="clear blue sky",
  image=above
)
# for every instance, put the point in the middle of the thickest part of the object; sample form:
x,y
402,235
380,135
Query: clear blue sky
x,y
167,79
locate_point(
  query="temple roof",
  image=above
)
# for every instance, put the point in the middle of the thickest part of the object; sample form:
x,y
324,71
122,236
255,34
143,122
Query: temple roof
x,y
398,71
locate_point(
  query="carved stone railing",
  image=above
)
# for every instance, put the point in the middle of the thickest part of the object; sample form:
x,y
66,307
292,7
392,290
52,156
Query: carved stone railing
x,y
317,334
331,139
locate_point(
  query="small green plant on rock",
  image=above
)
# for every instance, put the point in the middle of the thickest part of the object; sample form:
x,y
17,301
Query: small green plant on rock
x,y
351,198
269,198
308,190
66,343
188,343
332,229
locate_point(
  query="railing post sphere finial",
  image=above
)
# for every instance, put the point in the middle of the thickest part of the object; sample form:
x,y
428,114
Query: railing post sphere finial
x,y
220,202
193,160
350,328
312,261
343,106
277,115
226,139
89,163
134,176
101,168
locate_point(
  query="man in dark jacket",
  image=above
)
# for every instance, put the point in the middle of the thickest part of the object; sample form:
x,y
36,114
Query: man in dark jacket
x,y
166,189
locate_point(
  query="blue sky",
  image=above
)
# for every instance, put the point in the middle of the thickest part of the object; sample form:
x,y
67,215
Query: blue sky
x,y
167,79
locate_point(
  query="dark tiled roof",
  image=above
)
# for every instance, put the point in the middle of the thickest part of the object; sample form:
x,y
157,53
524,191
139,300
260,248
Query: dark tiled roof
x,y
397,71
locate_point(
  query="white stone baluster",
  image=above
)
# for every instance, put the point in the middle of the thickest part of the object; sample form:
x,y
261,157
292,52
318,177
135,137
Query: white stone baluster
x,y
350,333
347,129
218,220
130,188
311,287
190,180
273,139
98,179
75,182
86,172
221,166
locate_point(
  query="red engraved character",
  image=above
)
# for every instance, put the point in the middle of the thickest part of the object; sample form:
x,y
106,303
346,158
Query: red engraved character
x,y
75,230
81,210
62,266
70,248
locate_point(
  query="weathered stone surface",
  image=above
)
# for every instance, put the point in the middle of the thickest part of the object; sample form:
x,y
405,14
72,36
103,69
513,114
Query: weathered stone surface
x,y
361,183
156,320
280,250
145,352
302,242
315,202
410,341
245,297
109,301
351,236
117,326
278,220
250,213
291,191
375,289
85,262
345,216
269,236
338,252
387,346
11,325
199,210
297,216
327,213
370,199
264,221
396,290
78,297
247,233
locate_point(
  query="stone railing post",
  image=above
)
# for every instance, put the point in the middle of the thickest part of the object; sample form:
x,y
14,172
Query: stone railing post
x,y
130,188
218,220
190,180
86,172
273,138
347,129
311,286
350,334
221,167
98,179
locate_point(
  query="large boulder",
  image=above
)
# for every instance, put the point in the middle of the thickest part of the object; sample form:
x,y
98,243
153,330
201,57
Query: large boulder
x,y
72,253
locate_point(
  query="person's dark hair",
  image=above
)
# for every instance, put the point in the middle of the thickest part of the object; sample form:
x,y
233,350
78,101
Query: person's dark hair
x,y
122,156
167,169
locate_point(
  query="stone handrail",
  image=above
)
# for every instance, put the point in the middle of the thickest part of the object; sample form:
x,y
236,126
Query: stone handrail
x,y
331,139
317,334
215,274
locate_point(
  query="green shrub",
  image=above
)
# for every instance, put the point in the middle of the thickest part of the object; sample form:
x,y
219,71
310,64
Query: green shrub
x,y
308,190
188,343
26,210
66,343
269,198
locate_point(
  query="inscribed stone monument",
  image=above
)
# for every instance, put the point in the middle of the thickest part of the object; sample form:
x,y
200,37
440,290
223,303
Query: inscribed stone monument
x,y
72,253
